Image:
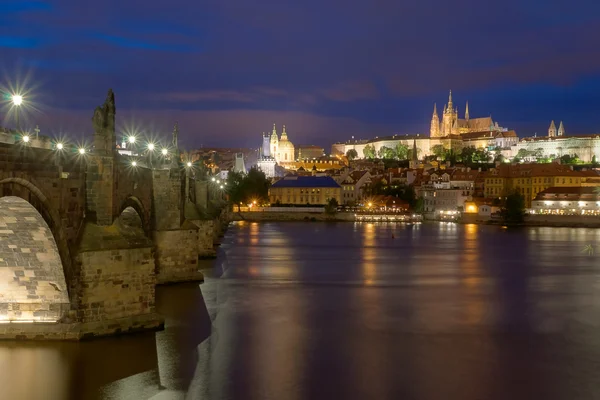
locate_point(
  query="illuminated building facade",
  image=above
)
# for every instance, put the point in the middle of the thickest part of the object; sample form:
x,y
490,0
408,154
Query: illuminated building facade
x,y
567,201
303,190
531,179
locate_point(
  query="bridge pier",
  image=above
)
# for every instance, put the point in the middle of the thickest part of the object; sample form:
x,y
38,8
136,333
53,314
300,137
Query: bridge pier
x,y
176,239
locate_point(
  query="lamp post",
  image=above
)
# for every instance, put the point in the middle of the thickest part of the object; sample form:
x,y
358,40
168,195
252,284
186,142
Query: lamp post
x,y
17,100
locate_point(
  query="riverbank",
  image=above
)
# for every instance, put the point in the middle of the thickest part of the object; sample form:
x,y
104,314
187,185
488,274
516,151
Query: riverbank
x,y
258,216
567,221
556,221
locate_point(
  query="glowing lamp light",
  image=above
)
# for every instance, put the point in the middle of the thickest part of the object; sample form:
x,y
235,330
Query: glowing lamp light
x,y
218,181
370,204
221,186
213,178
82,151
17,100
164,152
59,146
131,139
26,139
133,163
189,164
151,146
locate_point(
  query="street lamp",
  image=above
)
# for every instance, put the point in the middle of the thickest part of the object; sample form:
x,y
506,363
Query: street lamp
x,y
131,139
59,146
151,146
17,100
164,152
81,151
189,164
133,163
26,138
213,179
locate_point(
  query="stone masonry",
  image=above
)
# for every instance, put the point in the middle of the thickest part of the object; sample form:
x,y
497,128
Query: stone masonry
x,y
32,281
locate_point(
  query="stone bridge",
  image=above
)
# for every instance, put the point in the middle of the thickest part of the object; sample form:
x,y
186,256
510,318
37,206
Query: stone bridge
x,y
86,237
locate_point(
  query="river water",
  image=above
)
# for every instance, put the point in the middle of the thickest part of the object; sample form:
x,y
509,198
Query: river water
x,y
352,311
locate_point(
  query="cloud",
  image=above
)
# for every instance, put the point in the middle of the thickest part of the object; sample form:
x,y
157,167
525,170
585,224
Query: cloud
x,y
211,96
378,64
351,91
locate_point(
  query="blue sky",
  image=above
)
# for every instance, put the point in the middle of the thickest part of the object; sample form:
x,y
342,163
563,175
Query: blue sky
x,y
228,69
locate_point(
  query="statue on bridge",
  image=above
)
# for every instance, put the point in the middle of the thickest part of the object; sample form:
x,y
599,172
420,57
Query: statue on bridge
x,y
104,125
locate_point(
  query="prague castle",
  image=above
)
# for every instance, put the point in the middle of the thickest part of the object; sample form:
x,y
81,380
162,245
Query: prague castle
x,y
451,132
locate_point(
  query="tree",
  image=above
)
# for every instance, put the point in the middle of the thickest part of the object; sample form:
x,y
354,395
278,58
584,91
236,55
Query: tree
x,y
246,188
401,151
369,151
419,205
594,161
351,154
568,159
331,207
514,208
439,151
523,153
386,153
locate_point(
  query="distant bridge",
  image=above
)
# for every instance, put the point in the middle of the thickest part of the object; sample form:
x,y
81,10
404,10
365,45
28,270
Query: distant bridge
x,y
84,238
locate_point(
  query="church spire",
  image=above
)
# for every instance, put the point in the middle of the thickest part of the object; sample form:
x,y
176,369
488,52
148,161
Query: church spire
x,y
561,129
467,112
175,135
552,129
283,134
274,133
434,109
414,160
450,100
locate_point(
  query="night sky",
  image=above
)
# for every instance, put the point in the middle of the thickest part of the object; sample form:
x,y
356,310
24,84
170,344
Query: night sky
x,y
328,69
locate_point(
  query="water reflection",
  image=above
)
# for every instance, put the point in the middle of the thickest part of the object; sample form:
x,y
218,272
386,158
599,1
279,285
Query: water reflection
x,y
352,311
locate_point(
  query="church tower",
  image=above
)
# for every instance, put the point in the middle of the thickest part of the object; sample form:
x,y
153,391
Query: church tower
x,y
467,112
561,129
552,129
414,159
266,147
449,117
434,131
274,142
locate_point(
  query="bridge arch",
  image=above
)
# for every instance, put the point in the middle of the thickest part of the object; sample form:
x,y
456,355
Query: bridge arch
x,y
38,199
32,279
136,204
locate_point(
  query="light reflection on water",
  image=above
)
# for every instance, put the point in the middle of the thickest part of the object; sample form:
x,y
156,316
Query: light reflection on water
x,y
353,311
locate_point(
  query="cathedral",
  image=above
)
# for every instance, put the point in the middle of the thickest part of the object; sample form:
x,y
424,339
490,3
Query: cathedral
x,y
451,124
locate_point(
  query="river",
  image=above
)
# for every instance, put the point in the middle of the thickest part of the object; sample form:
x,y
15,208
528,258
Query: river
x,y
315,311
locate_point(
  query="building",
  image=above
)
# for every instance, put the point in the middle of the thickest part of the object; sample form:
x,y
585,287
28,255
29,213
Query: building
x,y
305,190
281,148
557,144
266,163
309,152
422,143
531,179
451,132
451,124
354,187
240,165
440,198
567,201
